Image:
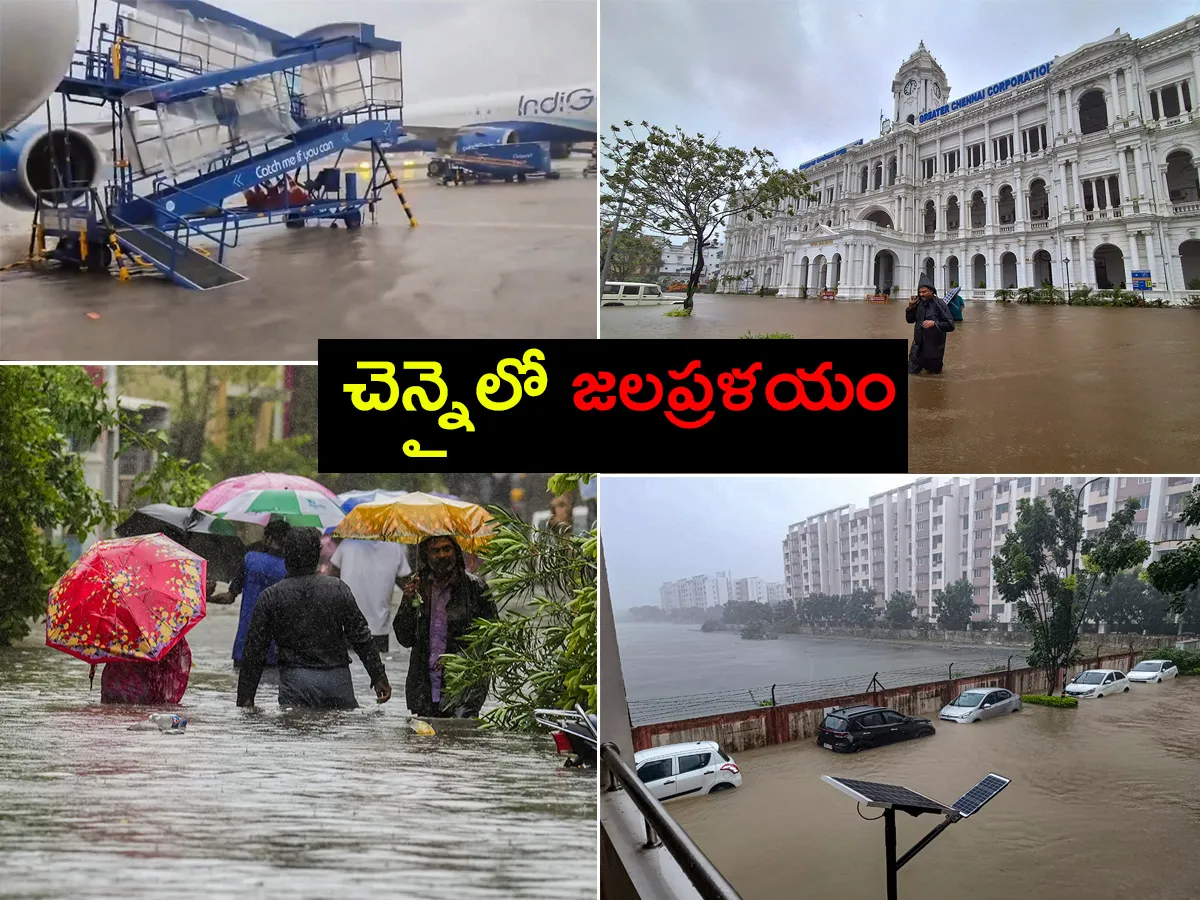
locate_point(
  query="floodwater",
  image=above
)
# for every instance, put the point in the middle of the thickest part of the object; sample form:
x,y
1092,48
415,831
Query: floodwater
x,y
486,261
254,803
670,664
1025,388
1104,804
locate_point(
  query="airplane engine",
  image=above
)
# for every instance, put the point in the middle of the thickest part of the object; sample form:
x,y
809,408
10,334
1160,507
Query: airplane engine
x,y
37,44
481,136
34,159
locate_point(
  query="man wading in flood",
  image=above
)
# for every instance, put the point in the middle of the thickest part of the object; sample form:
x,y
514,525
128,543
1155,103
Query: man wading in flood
x,y
440,602
313,620
932,322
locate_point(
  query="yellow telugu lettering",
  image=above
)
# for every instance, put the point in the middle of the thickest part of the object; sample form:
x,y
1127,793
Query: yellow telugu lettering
x,y
433,376
459,418
374,401
534,385
413,448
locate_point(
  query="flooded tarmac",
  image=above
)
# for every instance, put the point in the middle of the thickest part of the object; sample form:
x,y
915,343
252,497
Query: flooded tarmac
x,y
258,802
1104,804
662,662
486,261
1025,388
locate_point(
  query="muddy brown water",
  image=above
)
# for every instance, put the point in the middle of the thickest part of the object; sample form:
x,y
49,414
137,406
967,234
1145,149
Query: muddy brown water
x,y
486,261
261,803
1104,804
1025,388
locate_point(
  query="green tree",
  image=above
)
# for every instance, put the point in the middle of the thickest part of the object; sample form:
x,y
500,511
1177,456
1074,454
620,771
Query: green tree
x,y
636,257
899,609
827,608
1128,603
46,413
1052,572
955,606
689,185
1176,573
541,652
860,607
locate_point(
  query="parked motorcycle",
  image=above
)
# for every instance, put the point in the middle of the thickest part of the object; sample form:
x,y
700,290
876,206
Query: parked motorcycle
x,y
575,733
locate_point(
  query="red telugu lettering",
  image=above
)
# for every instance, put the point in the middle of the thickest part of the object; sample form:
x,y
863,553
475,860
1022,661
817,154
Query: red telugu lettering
x,y
632,384
725,381
682,400
588,384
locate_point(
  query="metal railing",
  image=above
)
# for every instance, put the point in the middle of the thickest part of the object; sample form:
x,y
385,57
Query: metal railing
x,y
664,831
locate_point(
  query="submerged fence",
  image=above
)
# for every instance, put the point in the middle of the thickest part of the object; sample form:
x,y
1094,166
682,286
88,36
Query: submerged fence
x,y
670,709
797,714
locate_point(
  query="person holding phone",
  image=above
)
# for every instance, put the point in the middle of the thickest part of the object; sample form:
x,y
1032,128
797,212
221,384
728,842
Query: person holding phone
x,y
931,323
439,604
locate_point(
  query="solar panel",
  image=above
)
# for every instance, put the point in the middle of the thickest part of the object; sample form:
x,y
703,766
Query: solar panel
x,y
972,801
888,796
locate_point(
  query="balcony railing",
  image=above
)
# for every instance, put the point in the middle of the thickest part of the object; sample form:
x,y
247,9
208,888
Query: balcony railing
x,y
663,831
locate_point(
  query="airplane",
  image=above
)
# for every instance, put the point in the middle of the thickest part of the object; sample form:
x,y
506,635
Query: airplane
x,y
561,116
37,46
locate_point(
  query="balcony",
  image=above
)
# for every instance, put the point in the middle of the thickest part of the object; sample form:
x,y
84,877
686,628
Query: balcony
x,y
1039,226
1186,209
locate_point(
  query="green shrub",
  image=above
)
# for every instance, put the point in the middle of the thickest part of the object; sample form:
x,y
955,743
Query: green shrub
x,y
678,313
1187,661
771,335
1043,700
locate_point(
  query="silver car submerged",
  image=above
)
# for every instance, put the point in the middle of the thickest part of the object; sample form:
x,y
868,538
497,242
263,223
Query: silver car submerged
x,y
977,704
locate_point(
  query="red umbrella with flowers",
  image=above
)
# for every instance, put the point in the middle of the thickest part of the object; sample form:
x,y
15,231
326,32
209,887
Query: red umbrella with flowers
x,y
127,599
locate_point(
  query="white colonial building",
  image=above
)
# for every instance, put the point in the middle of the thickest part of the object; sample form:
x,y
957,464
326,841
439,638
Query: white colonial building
x,y
1077,171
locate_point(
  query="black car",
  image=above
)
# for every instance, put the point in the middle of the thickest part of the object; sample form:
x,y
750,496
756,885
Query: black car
x,y
863,727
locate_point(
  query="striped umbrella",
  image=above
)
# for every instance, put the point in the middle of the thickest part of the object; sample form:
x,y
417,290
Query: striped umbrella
x,y
222,492
300,508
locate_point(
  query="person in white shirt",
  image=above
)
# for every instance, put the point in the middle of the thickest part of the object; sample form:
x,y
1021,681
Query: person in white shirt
x,y
372,569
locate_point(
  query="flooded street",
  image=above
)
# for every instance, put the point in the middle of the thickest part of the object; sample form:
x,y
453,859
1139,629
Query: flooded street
x,y
258,802
497,260
1104,804
680,661
1025,389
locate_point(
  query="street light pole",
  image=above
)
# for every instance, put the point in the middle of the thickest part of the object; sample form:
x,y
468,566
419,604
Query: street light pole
x,y
1067,265
616,226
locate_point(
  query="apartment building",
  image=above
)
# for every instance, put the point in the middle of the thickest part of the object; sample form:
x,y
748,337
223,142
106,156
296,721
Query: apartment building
x,y
922,536
697,592
750,590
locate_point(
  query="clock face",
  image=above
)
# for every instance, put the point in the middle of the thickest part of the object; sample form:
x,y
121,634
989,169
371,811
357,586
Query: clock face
x,y
937,92
910,87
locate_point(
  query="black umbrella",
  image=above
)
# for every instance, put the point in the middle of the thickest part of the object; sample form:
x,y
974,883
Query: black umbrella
x,y
217,540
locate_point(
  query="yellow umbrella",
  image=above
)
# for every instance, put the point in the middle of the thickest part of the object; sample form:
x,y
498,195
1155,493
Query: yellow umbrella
x,y
414,517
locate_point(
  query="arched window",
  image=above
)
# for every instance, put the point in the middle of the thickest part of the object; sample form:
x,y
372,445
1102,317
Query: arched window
x,y
863,179
1039,202
878,176
911,120
930,217
1093,114
892,171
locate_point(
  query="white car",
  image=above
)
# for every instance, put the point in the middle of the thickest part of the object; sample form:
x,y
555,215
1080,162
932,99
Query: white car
x,y
980,703
1156,670
678,770
1097,683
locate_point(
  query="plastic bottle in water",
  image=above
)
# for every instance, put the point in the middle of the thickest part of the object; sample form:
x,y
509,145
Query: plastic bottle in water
x,y
164,722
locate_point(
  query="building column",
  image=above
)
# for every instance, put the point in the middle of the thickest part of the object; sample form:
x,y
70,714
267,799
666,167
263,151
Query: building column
x,y
1116,101
1024,267
1130,105
1125,199
1137,171
1078,182
1135,257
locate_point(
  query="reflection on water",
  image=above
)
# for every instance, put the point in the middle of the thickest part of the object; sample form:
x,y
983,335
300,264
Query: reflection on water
x,y
250,802
1025,389
1104,803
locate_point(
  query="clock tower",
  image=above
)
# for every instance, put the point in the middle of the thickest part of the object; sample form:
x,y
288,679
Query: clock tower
x,y
919,86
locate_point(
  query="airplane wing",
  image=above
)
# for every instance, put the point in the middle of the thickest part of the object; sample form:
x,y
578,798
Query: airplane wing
x,y
445,135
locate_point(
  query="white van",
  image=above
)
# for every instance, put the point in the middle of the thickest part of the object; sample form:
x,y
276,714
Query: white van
x,y
632,293
677,770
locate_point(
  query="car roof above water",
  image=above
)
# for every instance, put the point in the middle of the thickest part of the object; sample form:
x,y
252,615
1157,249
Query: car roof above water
x,y
674,750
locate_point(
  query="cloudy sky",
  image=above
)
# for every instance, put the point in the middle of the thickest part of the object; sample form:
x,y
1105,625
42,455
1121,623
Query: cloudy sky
x,y
452,48
803,78
662,529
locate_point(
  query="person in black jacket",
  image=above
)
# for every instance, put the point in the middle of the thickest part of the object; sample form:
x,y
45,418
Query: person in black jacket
x,y
440,602
931,323
313,620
